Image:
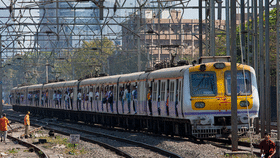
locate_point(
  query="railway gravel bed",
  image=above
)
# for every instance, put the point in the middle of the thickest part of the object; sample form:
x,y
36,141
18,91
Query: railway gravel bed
x,y
183,148
132,150
59,146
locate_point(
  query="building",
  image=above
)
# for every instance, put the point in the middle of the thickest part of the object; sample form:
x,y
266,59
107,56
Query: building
x,y
170,35
64,25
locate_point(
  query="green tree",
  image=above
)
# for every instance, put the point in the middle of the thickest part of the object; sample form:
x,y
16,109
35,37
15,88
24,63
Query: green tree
x,y
221,40
89,60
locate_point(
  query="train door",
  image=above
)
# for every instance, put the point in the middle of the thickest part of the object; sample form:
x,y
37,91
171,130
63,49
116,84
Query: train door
x,y
142,93
82,101
172,96
179,97
97,97
163,98
91,97
148,108
75,101
63,105
41,98
115,99
134,97
120,99
155,94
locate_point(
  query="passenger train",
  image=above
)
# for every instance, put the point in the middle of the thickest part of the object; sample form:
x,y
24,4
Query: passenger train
x,y
190,100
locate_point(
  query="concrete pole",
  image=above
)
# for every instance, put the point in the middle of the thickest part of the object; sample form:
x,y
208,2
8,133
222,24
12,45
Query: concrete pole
x,y
249,35
1,74
256,66
233,78
212,27
278,78
47,73
138,42
242,29
200,28
193,39
267,69
227,29
158,32
261,57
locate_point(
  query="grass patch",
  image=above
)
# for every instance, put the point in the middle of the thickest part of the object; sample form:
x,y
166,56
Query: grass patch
x,y
13,151
71,149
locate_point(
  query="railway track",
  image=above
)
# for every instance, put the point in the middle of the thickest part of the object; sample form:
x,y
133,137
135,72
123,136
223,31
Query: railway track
x,y
120,146
221,143
41,153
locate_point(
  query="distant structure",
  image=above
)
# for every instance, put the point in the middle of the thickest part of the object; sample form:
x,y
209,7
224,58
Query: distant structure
x,y
175,34
63,27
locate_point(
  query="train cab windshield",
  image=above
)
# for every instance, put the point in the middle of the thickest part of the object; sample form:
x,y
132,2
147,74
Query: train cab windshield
x,y
243,83
203,84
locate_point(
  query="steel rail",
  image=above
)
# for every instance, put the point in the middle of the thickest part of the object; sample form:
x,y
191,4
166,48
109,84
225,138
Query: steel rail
x,y
39,151
150,147
107,146
144,145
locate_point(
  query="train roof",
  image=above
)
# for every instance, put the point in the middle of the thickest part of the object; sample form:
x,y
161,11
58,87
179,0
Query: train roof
x,y
35,87
173,72
22,88
131,77
100,80
71,83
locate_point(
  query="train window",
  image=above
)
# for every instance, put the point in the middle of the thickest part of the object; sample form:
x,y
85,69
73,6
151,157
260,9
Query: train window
x,y
154,94
203,84
162,91
243,84
171,90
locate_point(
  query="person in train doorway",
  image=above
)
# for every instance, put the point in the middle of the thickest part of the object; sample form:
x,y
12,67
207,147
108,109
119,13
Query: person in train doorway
x,y
107,97
90,97
4,123
158,105
128,98
79,99
134,96
149,98
104,100
124,95
121,98
42,98
37,98
47,99
71,98
97,98
167,102
27,124
29,97
267,146
110,99
176,105
54,98
66,99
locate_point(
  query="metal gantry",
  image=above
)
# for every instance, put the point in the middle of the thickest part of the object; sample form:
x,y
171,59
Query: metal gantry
x,y
144,31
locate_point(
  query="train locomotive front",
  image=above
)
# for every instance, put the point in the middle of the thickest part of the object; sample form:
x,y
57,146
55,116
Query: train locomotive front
x,y
207,99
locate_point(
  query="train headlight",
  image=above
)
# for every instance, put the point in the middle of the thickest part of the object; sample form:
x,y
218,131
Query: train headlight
x,y
199,105
244,103
219,65
202,67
